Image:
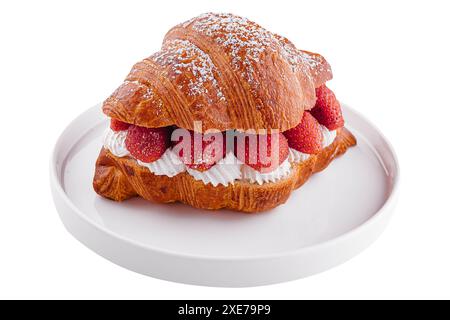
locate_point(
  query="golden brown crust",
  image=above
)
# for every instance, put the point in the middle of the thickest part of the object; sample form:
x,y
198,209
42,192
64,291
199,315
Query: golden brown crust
x,y
122,178
225,71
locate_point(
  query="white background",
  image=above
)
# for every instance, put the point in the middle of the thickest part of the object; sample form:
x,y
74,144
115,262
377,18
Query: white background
x,y
390,61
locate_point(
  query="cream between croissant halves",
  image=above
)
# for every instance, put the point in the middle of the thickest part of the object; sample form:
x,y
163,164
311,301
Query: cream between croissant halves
x,y
225,115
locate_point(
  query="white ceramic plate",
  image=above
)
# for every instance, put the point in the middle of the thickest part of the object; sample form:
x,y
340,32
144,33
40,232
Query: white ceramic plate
x,y
333,217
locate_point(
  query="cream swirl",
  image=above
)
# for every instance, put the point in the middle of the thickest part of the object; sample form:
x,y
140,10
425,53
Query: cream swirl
x,y
297,156
224,172
328,136
168,165
254,176
114,141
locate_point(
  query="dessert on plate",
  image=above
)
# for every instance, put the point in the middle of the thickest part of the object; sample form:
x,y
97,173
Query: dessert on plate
x,y
225,115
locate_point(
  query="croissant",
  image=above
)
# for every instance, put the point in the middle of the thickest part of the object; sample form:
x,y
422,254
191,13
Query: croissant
x,y
229,74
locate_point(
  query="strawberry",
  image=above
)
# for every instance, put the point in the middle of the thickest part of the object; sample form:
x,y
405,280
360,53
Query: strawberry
x,y
147,144
117,125
262,152
327,109
204,153
306,137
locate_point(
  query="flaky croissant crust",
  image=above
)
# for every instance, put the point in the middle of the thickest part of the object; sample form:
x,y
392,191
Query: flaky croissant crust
x,y
122,178
223,70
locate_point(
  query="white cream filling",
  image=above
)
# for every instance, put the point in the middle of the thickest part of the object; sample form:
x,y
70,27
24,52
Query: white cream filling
x,y
328,136
297,156
115,142
254,176
224,172
168,165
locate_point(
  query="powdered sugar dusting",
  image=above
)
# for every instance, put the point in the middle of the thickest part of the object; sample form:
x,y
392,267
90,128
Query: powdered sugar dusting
x,y
246,42
183,57
296,58
147,94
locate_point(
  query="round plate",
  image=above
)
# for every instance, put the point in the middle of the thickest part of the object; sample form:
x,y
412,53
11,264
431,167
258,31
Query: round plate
x,y
333,217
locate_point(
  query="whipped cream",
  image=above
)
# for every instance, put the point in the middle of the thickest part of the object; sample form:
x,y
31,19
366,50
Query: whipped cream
x,y
328,136
115,142
168,165
224,172
253,176
297,156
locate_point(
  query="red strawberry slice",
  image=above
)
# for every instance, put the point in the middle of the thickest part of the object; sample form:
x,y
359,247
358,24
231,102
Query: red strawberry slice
x,y
327,109
262,152
147,144
200,151
117,125
306,137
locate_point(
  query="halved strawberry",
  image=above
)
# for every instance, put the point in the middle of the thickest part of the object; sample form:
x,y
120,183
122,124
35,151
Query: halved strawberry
x,y
262,152
200,151
117,125
306,137
327,109
147,144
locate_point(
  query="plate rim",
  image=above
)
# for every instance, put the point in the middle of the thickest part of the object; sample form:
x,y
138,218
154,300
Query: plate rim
x,y
56,185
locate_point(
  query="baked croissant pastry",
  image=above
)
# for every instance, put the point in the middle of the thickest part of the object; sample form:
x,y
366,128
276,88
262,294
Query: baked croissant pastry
x,y
225,115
